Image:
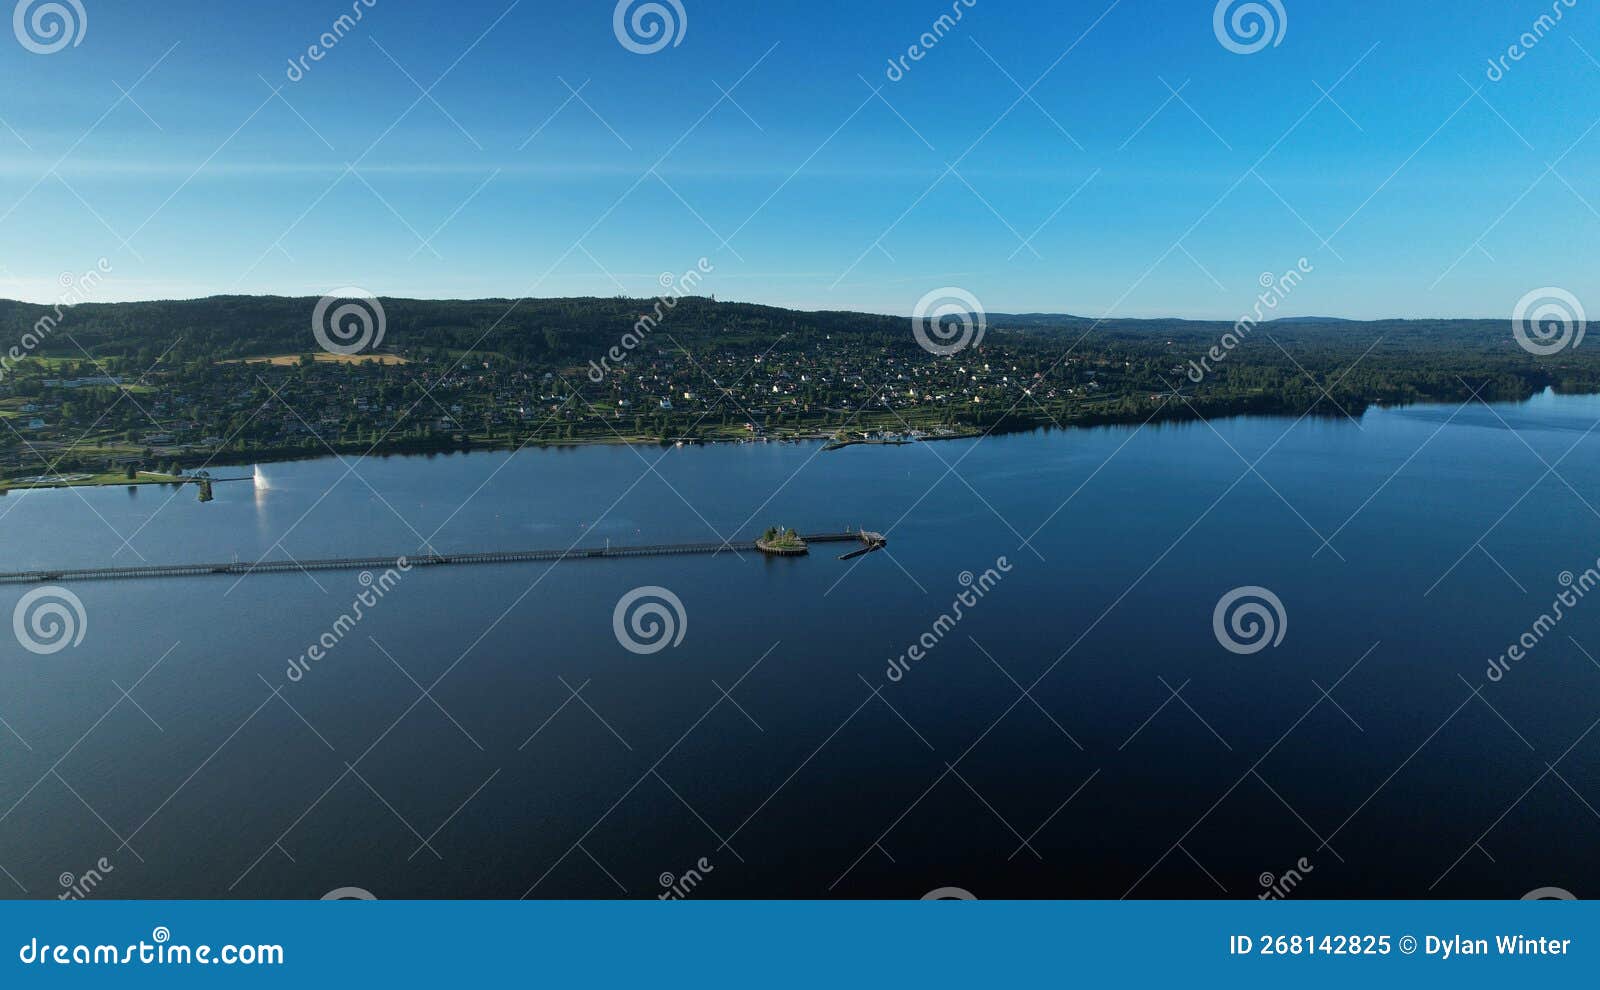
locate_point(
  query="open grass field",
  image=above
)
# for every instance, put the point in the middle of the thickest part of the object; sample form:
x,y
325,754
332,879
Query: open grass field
x,y
322,357
85,480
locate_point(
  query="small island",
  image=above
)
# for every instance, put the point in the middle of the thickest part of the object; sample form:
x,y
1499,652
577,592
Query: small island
x,y
782,543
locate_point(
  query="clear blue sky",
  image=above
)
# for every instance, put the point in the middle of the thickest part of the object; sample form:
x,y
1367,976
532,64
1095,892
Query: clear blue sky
x,y
1432,201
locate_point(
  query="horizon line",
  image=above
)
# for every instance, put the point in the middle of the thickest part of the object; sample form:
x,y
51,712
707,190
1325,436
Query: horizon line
x,y
989,314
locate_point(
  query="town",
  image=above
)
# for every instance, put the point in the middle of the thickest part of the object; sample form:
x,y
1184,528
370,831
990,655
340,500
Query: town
x,y
123,397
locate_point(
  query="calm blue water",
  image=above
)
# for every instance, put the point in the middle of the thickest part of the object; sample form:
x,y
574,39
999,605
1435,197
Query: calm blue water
x,y
801,782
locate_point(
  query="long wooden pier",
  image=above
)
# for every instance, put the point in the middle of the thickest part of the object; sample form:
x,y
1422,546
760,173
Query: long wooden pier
x,y
870,542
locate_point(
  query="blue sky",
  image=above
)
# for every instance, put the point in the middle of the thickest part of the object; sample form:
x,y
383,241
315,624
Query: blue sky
x,y
1099,193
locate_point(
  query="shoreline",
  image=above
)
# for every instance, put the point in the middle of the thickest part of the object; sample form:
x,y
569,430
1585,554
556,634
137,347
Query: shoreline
x,y
241,460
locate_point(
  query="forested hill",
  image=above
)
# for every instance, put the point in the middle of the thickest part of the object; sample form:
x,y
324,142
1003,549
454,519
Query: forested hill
x,y
535,330
96,386
544,330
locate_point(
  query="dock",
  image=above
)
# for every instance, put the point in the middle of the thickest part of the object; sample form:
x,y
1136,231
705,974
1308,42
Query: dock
x,y
869,542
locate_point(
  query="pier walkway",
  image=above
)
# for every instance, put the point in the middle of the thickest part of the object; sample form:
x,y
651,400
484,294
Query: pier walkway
x,y
871,541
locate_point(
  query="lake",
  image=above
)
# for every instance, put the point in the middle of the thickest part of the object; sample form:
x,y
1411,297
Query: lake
x,y
1081,730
